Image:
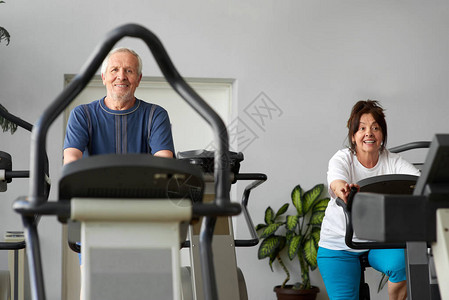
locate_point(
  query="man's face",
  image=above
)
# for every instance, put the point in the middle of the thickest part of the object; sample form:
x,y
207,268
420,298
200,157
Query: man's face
x,y
121,77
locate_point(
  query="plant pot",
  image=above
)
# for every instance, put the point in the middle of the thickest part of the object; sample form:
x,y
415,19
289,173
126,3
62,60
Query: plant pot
x,y
288,293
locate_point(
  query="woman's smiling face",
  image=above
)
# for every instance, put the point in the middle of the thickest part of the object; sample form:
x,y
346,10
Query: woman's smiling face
x,y
368,138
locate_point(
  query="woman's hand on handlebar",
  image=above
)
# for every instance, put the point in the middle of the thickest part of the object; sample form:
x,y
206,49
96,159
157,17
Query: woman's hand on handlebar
x,y
342,189
346,190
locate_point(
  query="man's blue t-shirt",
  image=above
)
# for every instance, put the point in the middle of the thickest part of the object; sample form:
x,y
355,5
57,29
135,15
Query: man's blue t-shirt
x,y
95,129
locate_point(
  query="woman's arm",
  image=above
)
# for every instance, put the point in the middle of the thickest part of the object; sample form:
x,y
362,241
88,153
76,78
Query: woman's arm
x,y
341,188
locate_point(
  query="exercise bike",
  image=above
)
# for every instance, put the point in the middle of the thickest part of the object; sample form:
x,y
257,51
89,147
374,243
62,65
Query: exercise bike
x,y
413,221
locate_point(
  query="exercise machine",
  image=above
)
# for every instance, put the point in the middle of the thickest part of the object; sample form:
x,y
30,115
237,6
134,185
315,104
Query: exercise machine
x,y
230,279
224,244
14,282
393,184
416,221
165,200
390,184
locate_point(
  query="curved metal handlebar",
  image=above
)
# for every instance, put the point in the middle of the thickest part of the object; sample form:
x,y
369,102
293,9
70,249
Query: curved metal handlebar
x,y
410,146
258,180
40,129
12,245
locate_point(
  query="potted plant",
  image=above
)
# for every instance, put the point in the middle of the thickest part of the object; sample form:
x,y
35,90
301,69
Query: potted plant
x,y
4,34
295,235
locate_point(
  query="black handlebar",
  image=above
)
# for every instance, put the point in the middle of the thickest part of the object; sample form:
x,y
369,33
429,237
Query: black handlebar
x,y
258,178
410,146
12,245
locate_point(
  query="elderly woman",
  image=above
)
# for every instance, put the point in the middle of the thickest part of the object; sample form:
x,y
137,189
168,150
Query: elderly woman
x,y
366,157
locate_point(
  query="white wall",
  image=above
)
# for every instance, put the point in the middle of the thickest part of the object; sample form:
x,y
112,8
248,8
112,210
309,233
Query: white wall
x,y
312,59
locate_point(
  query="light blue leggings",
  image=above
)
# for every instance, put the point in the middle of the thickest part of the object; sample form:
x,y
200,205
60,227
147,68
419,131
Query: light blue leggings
x,y
341,269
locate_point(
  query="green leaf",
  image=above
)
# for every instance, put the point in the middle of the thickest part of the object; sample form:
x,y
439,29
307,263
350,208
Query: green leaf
x,y
294,246
4,35
281,210
275,253
321,205
317,218
315,235
272,259
297,199
269,213
311,196
270,263
269,247
289,235
260,226
318,212
292,222
310,253
282,243
270,230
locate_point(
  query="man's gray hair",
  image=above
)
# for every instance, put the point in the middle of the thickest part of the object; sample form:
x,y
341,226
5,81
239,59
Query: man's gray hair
x,y
104,65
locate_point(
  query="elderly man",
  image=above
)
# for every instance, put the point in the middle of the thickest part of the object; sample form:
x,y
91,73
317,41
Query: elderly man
x,y
118,123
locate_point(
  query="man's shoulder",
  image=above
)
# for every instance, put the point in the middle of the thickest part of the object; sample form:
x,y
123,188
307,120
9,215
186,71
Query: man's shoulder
x,y
149,106
92,105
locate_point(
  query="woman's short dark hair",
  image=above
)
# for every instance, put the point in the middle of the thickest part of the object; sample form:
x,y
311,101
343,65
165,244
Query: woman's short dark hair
x,y
366,107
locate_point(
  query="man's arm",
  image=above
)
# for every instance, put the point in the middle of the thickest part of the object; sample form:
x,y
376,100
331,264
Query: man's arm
x,y
72,154
163,153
